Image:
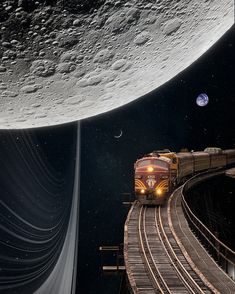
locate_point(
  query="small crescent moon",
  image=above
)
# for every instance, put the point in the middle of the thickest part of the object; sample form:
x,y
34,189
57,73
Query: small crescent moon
x,y
119,136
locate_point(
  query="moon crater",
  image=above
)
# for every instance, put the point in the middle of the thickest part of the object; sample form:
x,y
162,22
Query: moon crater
x,y
172,26
43,68
61,64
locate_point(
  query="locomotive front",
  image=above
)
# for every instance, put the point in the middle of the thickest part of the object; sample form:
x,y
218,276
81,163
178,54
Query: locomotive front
x,y
152,179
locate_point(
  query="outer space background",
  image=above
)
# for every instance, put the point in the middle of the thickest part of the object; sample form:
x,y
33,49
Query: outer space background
x,y
166,118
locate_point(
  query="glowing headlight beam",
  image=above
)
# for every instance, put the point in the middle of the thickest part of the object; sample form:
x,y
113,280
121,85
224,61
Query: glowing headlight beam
x,y
159,191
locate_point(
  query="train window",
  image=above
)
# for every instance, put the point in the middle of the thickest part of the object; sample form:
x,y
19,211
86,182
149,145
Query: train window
x,y
144,162
160,163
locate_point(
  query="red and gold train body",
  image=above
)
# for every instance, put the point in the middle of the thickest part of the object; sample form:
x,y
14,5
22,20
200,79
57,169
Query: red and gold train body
x,y
152,179
157,173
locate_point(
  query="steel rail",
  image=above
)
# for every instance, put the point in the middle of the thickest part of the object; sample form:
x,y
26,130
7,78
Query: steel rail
x,y
182,248
170,251
131,281
153,277
200,227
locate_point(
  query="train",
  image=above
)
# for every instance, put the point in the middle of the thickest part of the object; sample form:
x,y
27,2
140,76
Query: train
x,y
158,173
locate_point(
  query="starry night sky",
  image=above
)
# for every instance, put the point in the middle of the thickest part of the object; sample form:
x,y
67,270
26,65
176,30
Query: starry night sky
x,y
166,118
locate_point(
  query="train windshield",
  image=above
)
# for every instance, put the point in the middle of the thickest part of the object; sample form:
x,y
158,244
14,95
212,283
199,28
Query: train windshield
x,y
156,162
144,162
160,163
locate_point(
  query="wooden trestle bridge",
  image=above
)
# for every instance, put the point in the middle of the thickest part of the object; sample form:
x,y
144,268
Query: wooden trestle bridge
x,y
163,255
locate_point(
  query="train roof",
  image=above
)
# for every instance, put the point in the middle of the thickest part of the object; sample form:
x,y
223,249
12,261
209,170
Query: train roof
x,y
201,153
158,153
162,151
184,154
229,151
166,159
216,150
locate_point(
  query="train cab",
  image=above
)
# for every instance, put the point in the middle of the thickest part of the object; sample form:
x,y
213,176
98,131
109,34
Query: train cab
x,y
152,179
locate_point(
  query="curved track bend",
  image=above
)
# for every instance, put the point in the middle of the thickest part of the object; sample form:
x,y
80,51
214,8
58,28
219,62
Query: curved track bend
x,y
155,261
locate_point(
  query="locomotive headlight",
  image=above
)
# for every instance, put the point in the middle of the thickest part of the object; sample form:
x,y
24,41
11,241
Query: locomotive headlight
x,y
150,169
142,191
159,191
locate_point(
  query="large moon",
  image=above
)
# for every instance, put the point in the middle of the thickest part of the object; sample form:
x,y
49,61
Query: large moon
x,y
59,66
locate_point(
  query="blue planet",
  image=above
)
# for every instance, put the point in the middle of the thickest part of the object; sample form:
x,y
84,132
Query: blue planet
x,y
202,99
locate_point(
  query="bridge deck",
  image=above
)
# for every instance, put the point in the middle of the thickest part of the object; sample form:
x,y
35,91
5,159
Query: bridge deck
x,y
200,258
201,263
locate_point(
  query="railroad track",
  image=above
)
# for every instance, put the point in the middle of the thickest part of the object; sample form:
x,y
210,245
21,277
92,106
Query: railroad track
x,y
167,269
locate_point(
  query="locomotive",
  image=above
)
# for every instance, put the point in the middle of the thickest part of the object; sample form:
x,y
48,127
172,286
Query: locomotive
x,y
159,172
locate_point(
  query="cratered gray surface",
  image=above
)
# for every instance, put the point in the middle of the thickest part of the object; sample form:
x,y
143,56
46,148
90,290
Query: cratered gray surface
x,y
60,65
